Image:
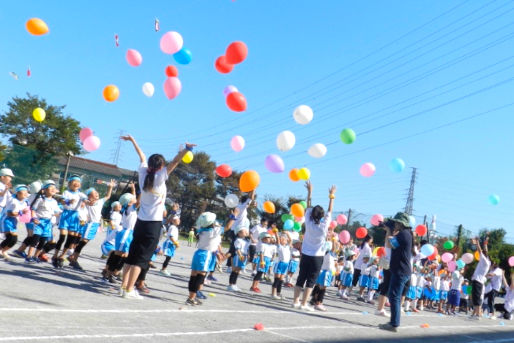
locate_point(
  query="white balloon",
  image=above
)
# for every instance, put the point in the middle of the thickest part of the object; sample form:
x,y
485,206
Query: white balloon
x,y
303,114
317,150
229,89
231,200
285,140
148,89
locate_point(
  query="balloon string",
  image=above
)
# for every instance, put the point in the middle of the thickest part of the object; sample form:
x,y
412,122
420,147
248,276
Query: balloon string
x,y
117,40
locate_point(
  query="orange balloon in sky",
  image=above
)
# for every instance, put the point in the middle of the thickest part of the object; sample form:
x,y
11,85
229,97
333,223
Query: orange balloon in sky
x,y
111,93
36,26
293,175
249,181
268,207
297,210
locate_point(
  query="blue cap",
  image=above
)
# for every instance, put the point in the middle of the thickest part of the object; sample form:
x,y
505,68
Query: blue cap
x,y
20,188
74,178
90,190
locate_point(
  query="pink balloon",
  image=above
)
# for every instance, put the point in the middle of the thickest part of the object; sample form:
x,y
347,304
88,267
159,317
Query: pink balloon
x,y
344,236
171,42
451,266
133,57
511,261
237,143
229,89
376,219
467,258
91,143
367,169
274,163
332,224
84,133
447,257
25,217
342,219
299,220
172,87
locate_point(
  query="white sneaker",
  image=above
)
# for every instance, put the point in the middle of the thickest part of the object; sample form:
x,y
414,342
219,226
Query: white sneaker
x,y
307,308
165,273
276,297
134,294
230,288
235,288
206,282
254,273
296,305
493,317
121,292
382,313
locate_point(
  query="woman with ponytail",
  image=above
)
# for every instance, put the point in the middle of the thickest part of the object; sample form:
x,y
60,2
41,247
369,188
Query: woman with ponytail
x,y
152,182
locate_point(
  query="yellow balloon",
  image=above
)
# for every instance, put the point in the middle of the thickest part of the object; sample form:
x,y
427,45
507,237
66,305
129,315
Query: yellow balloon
x,y
375,251
477,256
39,114
188,157
304,173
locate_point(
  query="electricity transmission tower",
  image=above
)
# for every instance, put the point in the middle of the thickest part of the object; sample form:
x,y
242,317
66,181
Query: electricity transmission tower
x,y
410,197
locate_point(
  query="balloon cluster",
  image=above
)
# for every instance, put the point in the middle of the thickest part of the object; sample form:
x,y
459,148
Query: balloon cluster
x,y
90,142
235,53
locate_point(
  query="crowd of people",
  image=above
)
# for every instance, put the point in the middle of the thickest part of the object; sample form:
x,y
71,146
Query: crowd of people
x,y
400,277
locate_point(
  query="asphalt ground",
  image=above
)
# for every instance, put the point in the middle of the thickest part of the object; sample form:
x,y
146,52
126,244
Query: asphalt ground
x,y
39,303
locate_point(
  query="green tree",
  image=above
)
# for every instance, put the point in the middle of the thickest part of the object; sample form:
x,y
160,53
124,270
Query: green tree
x,y
34,147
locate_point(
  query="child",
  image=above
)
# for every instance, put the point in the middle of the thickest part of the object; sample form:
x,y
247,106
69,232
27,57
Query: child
x,y
69,221
437,289
507,308
294,262
325,277
14,207
207,233
6,176
191,237
94,207
443,295
419,289
464,297
114,228
411,293
34,189
263,260
347,275
281,265
454,294
374,272
170,244
428,292
363,277
241,246
44,208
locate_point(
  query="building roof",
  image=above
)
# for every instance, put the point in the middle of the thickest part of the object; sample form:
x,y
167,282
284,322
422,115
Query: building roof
x,y
96,166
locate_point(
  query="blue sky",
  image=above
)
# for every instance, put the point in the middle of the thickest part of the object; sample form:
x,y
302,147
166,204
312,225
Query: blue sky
x,y
364,65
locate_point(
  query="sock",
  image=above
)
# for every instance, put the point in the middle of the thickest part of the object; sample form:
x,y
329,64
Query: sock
x,y
415,303
235,278
371,293
288,278
275,283
192,283
279,286
79,247
199,281
345,292
407,305
69,241
232,278
321,295
58,246
49,247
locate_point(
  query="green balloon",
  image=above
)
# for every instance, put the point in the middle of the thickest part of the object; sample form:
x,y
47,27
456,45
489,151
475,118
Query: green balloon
x,y
448,245
297,227
304,204
348,136
286,216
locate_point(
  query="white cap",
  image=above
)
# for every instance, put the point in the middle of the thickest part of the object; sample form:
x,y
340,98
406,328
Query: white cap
x,y
6,172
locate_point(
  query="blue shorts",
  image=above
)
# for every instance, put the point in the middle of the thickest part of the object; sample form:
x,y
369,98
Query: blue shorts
x,y
267,264
212,262
373,283
443,295
44,228
90,231
107,248
236,262
201,260
436,295
168,248
69,221
10,224
454,297
281,268
411,293
364,281
429,293
419,292
123,240
325,278
346,279
293,266
29,226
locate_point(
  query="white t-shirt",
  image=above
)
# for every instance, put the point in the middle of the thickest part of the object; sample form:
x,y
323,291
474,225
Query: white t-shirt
x,y
242,245
15,206
457,280
172,232
46,208
83,214
373,271
509,300
295,254
152,202
255,232
421,281
94,212
116,221
348,267
75,197
445,285
284,253
268,250
481,269
496,279
437,282
413,279
315,234
242,212
209,239
129,218
329,261
365,251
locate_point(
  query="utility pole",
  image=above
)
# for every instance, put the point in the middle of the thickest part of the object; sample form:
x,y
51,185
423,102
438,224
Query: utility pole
x,y
69,154
117,149
349,217
410,196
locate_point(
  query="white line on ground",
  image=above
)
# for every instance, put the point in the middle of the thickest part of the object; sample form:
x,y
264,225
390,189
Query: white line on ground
x,y
296,339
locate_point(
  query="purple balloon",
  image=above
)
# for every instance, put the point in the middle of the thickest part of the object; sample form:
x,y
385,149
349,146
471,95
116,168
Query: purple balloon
x,y
229,89
274,163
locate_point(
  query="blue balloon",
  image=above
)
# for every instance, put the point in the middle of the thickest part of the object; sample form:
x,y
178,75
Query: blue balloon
x,y
427,250
288,224
183,56
397,165
460,264
494,199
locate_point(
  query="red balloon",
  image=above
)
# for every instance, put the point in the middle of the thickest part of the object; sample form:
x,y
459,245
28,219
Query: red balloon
x,y
223,66
361,232
381,252
224,170
421,230
236,52
171,71
434,255
236,102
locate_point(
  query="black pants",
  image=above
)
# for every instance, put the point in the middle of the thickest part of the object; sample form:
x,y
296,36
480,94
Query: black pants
x,y
252,249
146,238
501,308
476,293
356,276
383,288
310,267
490,300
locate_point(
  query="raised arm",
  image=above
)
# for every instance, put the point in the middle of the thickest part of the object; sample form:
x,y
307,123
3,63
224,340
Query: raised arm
x,y
140,153
132,188
176,160
308,185
109,190
331,197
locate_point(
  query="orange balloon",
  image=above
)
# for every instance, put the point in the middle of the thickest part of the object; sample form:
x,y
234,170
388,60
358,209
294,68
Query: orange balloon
x,y
297,210
111,93
36,26
477,256
293,175
269,207
249,181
